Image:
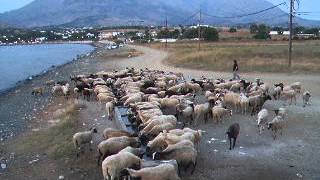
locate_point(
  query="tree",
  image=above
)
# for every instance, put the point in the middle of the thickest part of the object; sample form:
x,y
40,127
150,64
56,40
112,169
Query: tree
x,y
299,30
314,31
261,31
232,30
190,33
254,28
210,34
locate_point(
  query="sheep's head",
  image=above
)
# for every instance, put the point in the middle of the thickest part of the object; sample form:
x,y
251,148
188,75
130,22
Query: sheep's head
x,y
269,125
94,130
135,142
156,156
157,143
144,139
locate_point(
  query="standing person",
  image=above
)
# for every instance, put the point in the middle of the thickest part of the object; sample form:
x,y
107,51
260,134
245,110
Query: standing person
x,y
235,70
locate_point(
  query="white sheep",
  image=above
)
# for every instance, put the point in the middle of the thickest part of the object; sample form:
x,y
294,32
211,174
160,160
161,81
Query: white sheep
x,y
201,112
115,144
113,165
110,132
275,92
82,138
186,113
262,119
135,151
219,112
208,94
232,99
257,102
197,133
306,98
133,99
290,95
163,171
66,90
169,104
57,89
158,120
185,156
76,92
244,103
104,98
281,112
276,125
235,87
160,128
297,86
110,109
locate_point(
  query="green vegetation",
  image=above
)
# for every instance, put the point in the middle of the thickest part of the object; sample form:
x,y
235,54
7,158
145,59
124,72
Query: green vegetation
x,y
55,141
261,31
15,35
233,30
208,33
168,34
252,56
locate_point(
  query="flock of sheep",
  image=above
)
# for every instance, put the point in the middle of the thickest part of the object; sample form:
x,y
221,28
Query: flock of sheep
x,y
160,106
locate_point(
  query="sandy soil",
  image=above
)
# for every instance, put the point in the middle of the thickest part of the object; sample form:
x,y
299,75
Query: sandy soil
x,y
295,155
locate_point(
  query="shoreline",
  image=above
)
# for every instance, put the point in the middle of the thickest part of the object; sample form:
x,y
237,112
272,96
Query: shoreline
x,y
51,42
19,109
52,68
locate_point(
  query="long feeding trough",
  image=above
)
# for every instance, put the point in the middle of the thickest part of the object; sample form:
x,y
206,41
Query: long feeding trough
x,y
122,119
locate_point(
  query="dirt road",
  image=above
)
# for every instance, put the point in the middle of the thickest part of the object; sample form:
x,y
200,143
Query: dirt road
x,y
295,155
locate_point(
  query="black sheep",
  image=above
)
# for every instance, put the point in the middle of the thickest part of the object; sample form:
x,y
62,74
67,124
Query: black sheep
x,y
233,132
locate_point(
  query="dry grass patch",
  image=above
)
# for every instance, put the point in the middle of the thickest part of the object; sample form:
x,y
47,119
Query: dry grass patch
x,y
252,56
56,141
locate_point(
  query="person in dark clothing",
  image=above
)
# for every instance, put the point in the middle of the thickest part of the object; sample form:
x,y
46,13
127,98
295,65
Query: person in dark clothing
x,y
235,70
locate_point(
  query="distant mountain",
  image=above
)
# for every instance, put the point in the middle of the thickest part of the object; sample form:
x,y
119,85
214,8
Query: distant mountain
x,y
132,12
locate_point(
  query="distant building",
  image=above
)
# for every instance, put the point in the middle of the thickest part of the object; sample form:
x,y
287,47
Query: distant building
x,y
305,36
153,33
286,33
202,25
273,33
169,40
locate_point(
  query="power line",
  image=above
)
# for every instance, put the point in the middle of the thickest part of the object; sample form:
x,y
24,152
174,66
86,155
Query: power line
x,y
189,18
244,15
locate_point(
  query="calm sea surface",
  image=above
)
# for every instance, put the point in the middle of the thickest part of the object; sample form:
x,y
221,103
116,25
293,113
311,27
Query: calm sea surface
x,y
20,62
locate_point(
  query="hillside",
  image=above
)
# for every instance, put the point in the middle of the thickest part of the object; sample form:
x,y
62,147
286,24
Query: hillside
x,y
128,12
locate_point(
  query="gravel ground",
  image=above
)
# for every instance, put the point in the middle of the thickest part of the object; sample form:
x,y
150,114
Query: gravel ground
x,y
295,155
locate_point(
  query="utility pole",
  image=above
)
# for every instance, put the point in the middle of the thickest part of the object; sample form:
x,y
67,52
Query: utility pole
x,y
199,30
166,32
291,33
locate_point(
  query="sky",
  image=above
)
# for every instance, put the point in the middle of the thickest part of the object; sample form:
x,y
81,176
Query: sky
x,y
305,6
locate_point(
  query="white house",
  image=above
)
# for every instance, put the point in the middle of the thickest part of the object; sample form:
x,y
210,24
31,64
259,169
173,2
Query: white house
x,y
273,33
286,33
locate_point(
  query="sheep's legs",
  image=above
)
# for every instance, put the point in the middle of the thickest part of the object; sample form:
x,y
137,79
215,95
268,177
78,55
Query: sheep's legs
x,y
206,118
230,143
234,142
194,167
